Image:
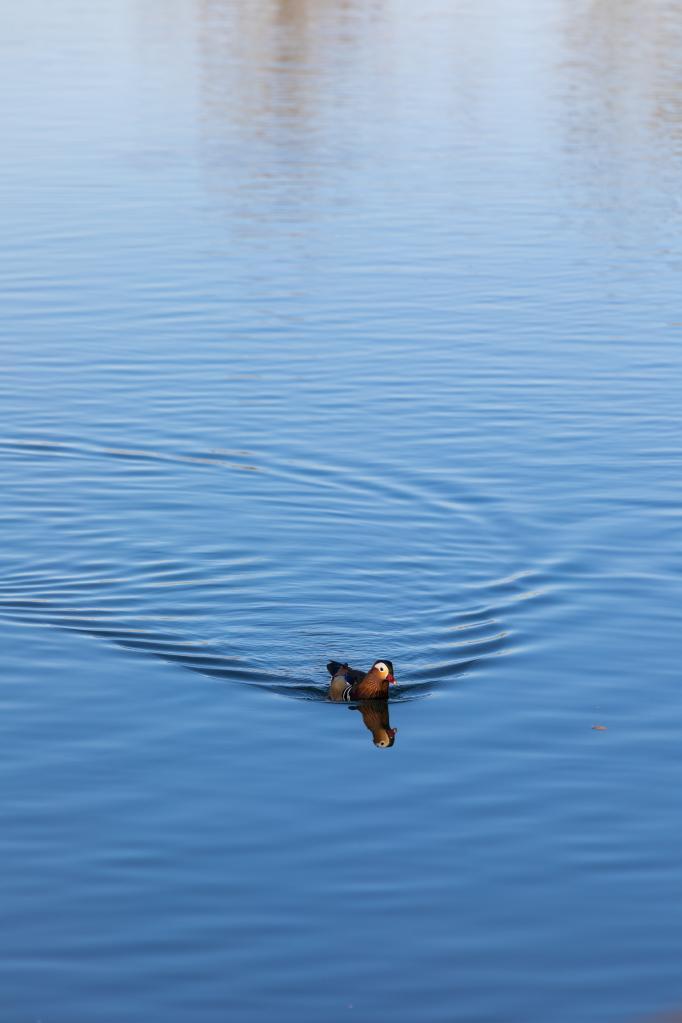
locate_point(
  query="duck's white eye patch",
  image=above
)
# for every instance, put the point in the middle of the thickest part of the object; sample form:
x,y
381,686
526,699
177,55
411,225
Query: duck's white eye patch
x,y
381,666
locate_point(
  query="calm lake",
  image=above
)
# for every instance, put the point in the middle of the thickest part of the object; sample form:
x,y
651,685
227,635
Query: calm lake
x,y
351,329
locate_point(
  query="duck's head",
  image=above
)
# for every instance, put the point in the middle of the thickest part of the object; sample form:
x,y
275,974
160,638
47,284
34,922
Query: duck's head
x,y
384,737
384,669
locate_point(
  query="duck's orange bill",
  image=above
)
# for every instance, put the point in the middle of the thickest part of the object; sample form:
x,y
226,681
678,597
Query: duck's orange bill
x,y
390,678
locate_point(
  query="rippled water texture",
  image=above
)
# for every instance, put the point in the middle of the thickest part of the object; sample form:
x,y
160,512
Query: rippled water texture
x,y
340,329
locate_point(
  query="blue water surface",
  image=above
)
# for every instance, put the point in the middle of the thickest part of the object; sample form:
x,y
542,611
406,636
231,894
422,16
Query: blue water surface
x,y
340,329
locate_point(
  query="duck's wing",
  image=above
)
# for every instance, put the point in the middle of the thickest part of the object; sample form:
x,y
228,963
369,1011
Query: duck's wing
x,y
352,674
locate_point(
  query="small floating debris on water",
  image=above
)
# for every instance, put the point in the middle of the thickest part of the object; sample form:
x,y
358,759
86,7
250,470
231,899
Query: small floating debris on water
x,y
599,728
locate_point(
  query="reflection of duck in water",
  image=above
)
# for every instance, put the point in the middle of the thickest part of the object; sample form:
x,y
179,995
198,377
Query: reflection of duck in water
x,y
375,715
349,684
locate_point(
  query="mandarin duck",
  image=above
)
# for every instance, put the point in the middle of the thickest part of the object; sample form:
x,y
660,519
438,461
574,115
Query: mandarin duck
x,y
349,684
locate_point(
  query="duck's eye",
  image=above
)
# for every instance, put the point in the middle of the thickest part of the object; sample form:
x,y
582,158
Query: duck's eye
x,y
380,666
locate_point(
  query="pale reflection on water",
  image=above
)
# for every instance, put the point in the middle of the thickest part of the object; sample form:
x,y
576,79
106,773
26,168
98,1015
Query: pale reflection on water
x,y
623,111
